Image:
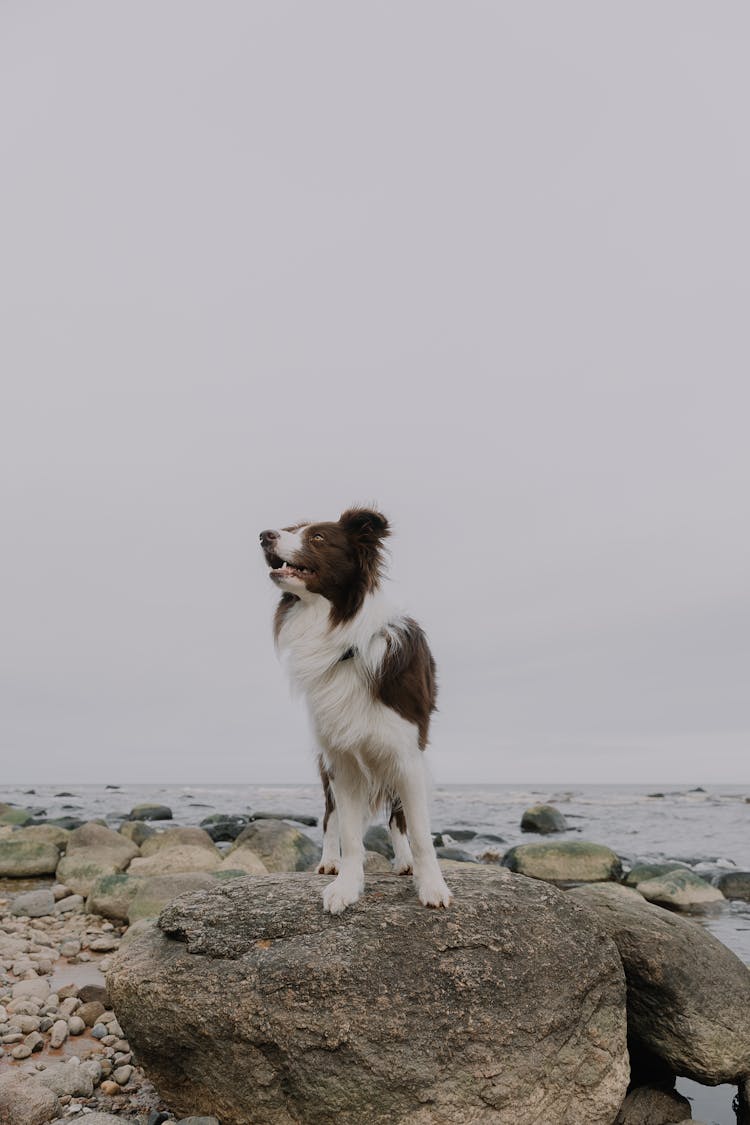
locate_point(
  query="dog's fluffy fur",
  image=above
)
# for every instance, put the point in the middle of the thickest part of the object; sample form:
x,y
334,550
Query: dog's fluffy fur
x,y
368,677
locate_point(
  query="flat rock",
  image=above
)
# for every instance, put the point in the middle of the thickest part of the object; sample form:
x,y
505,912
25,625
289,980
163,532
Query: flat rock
x,y
681,890
280,846
544,819
508,1007
642,871
34,904
150,812
93,851
24,1101
23,859
564,861
688,995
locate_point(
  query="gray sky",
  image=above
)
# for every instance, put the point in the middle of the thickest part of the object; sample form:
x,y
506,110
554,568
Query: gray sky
x,y
483,263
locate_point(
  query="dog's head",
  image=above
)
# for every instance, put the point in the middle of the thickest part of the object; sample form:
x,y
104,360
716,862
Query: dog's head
x,y
342,561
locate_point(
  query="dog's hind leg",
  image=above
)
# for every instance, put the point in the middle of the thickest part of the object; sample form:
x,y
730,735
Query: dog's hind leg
x,y
331,857
402,861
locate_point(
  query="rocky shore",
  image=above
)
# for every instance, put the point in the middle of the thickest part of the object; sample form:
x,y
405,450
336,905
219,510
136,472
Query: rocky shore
x,y
143,970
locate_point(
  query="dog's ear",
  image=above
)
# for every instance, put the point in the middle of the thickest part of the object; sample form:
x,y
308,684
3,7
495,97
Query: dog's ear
x,y
365,525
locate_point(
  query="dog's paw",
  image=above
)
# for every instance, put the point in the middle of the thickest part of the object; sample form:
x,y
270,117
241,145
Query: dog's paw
x,y
328,867
401,868
339,894
433,891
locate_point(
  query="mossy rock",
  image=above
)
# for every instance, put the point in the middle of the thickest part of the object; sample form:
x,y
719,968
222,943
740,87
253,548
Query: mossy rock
x,y
565,861
23,859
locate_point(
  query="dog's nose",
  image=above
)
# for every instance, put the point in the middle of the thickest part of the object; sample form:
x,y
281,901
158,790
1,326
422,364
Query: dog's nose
x,y
268,538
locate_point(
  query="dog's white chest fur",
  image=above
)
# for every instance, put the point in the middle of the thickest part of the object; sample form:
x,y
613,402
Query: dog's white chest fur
x,y
346,715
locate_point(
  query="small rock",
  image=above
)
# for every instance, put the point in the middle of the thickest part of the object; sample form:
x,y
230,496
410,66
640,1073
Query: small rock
x,y
103,945
59,1034
643,871
150,812
70,948
681,889
544,819
735,885
122,1075
378,839
76,1025
22,1051
109,1087
34,904
456,854
90,1012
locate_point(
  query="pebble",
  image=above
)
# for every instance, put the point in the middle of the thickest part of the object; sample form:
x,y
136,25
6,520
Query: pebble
x,y
122,1075
59,1033
22,1051
76,1025
70,948
109,1087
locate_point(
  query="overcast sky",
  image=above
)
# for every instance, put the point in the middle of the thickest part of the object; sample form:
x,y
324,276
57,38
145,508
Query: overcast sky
x,y
485,264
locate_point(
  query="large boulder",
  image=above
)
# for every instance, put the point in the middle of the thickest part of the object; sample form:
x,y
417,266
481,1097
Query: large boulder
x,y
23,859
11,814
111,896
24,1101
93,851
137,831
279,845
642,871
251,1003
243,859
178,838
174,860
688,995
544,819
44,834
649,1105
566,861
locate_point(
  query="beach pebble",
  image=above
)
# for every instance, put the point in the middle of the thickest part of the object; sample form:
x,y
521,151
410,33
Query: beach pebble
x,y
91,1012
59,1033
99,1031
76,1026
122,1075
103,945
71,904
109,1087
70,948
22,1051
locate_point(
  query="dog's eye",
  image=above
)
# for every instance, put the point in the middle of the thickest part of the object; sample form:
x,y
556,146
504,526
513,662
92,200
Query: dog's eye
x,y
318,538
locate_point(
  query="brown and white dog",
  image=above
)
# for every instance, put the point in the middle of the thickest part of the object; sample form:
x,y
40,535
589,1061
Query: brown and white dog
x,y
368,677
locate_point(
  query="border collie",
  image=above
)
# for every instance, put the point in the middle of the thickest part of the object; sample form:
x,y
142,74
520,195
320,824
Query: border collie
x,y
369,681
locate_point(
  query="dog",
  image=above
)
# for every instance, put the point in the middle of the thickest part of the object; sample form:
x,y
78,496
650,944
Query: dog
x,y
368,678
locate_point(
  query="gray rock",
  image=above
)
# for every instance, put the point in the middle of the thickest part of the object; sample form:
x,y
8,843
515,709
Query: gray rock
x,y
137,831
682,890
71,904
507,1007
93,851
544,819
73,1077
23,859
44,834
34,904
280,846
648,1105
735,884
23,1101
643,871
457,854
565,861
224,827
150,812
298,818
178,838
378,839
688,995
459,835
198,1121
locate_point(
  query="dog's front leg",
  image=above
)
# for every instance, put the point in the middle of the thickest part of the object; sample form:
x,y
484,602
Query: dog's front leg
x,y
351,807
428,877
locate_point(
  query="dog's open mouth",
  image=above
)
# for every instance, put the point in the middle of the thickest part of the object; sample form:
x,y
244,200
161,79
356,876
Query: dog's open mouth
x,y
281,569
